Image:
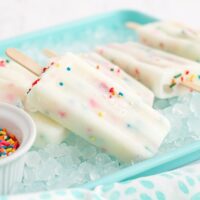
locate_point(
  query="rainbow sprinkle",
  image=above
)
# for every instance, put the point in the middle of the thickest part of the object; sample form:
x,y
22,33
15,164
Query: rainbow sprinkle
x,y
8,143
187,75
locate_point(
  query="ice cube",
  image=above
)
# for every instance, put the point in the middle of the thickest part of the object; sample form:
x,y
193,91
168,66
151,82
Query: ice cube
x,y
195,103
33,159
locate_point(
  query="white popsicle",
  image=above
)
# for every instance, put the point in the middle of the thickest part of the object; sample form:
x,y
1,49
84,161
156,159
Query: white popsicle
x,y
98,109
171,37
165,74
14,84
118,75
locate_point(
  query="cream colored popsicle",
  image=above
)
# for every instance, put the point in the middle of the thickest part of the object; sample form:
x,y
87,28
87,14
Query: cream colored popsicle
x,y
98,109
14,83
118,75
165,74
115,73
171,37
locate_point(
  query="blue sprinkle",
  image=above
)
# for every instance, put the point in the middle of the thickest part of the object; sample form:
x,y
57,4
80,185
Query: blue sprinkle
x,y
61,83
128,125
121,94
68,68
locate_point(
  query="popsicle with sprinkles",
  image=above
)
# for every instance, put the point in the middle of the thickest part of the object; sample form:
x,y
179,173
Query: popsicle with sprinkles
x,y
113,71
165,74
14,83
96,107
171,37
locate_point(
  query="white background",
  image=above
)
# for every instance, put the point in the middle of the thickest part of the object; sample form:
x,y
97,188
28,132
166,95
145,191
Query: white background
x,y
19,16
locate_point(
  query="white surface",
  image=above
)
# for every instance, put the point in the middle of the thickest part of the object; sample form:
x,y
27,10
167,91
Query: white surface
x,y
19,16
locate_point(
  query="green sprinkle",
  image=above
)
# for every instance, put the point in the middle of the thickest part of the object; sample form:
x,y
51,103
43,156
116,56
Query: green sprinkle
x,y
172,85
178,75
7,61
111,69
198,76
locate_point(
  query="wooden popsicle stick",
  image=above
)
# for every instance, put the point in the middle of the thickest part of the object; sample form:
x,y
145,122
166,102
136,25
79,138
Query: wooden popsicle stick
x,y
24,60
49,53
133,25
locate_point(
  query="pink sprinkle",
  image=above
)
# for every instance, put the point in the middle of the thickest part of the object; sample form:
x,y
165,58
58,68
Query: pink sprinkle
x,y
10,97
2,63
5,143
93,103
62,114
100,51
118,71
103,85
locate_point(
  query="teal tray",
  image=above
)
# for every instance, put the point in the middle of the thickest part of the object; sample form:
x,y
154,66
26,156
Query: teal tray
x,y
111,27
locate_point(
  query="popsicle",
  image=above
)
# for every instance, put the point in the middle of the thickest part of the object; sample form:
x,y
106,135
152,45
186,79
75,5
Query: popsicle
x,y
14,83
98,109
165,74
115,73
170,36
118,75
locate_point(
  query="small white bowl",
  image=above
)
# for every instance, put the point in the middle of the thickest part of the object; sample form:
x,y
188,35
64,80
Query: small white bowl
x,y
19,123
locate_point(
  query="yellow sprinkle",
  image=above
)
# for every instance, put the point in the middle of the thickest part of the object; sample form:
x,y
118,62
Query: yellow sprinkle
x,y
192,77
92,138
10,141
57,65
100,114
9,150
2,132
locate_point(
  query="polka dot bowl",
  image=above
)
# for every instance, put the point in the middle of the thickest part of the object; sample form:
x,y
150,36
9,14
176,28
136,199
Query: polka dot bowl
x,y
19,123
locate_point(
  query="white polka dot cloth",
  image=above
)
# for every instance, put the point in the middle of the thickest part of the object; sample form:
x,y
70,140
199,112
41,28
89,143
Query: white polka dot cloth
x,y
180,184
